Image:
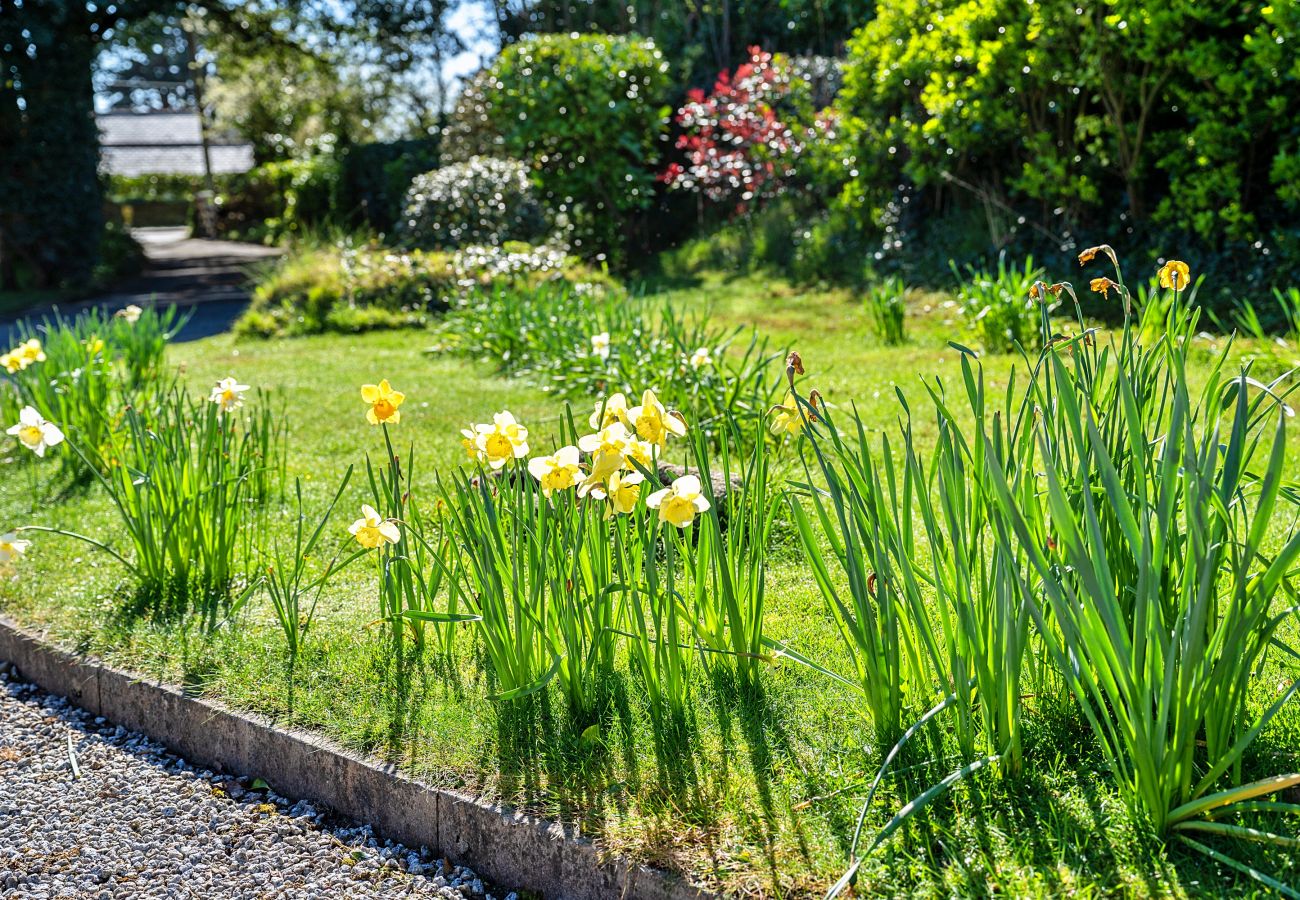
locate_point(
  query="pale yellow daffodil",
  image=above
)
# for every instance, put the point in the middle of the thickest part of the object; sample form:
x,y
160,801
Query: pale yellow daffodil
x,y
503,440
228,394
11,548
610,439
130,313
34,433
612,409
652,422
679,504
384,403
12,362
701,358
31,351
786,417
372,530
469,440
623,490
557,472
638,454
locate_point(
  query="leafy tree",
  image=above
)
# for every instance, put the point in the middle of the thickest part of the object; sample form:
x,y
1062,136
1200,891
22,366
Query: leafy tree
x,y
50,195
586,111
700,37
1117,116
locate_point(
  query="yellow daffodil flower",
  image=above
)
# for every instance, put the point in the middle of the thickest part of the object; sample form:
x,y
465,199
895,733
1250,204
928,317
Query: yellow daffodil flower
x,y
701,358
787,417
94,345
640,453
604,465
373,531
34,433
610,439
557,472
31,352
1103,286
12,362
612,409
679,504
623,491
600,345
469,440
130,313
503,440
12,548
383,402
228,394
654,423
1175,274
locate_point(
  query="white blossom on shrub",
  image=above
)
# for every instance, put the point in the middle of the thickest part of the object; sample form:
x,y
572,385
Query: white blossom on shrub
x,y
479,201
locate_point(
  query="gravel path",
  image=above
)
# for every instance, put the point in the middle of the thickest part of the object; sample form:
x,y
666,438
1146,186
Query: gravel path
x,y
127,819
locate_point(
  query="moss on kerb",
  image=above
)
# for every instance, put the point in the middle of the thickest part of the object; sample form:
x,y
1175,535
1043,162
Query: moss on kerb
x,y
522,852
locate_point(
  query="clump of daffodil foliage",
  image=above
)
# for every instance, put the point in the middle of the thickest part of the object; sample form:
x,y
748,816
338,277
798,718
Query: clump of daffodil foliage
x,y
582,341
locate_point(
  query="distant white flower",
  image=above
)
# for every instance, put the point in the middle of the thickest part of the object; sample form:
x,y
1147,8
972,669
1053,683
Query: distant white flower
x,y
228,394
600,344
11,547
34,433
702,357
130,313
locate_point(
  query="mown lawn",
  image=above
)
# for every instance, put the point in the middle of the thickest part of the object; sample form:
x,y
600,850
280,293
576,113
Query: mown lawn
x,y
760,797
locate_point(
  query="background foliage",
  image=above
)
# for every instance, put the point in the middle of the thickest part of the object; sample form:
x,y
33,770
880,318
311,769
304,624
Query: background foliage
x,y
586,112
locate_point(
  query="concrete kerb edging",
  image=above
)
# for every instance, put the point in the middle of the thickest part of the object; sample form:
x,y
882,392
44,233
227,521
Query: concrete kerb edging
x,y
514,850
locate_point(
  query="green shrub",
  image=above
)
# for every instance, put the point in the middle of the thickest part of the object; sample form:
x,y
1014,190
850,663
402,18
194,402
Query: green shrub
x,y
1054,116
586,112
999,307
373,180
782,236
350,289
120,255
480,201
280,199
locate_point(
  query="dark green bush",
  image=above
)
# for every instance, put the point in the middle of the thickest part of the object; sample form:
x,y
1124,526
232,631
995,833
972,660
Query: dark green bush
x,y
1122,121
374,178
783,237
586,111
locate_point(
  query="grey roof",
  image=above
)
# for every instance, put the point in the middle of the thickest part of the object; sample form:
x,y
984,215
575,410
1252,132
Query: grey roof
x,y
165,143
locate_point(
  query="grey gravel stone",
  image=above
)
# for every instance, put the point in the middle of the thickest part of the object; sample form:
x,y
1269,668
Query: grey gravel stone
x,y
141,823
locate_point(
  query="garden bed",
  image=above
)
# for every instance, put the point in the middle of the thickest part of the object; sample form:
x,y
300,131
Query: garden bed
x,y
760,791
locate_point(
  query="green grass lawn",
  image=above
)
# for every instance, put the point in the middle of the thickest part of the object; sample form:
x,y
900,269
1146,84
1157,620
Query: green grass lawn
x,y
760,796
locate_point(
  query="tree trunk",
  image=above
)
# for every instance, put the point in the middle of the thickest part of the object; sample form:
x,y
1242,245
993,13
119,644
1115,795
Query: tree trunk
x,y
50,197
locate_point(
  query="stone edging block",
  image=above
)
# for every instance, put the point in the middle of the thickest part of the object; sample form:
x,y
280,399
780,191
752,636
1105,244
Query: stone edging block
x,y
510,848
